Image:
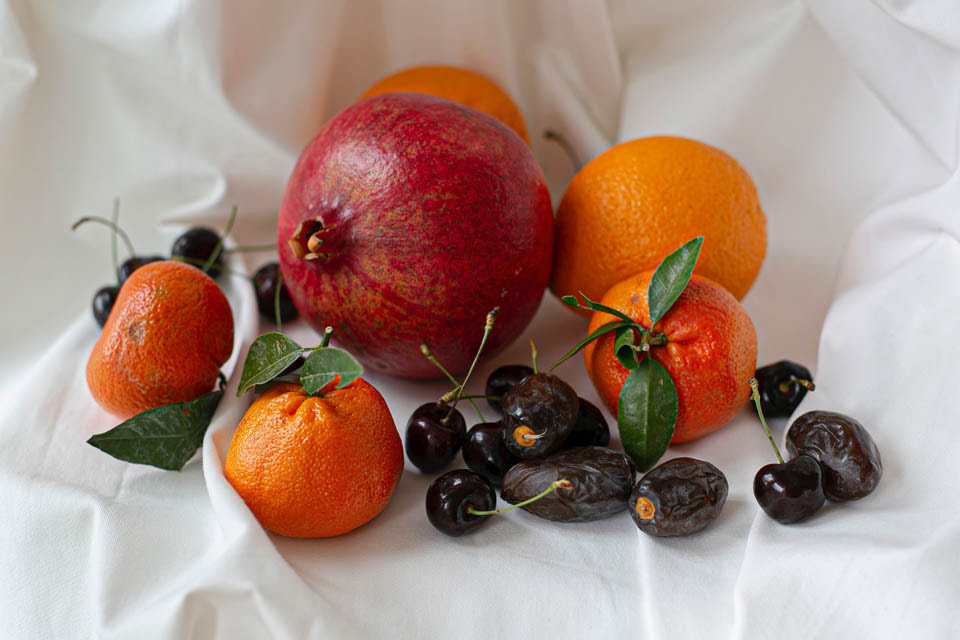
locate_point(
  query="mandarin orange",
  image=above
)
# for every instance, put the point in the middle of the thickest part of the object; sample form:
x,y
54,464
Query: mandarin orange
x,y
711,351
315,466
170,331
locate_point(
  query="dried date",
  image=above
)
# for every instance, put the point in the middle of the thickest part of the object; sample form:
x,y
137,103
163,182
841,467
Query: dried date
x,y
679,497
600,480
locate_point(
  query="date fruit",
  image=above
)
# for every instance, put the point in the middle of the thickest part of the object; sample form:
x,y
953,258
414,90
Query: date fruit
x,y
502,380
848,457
538,415
679,497
601,480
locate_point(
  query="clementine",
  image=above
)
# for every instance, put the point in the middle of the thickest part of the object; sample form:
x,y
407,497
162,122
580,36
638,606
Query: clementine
x,y
710,351
170,331
318,466
459,85
635,203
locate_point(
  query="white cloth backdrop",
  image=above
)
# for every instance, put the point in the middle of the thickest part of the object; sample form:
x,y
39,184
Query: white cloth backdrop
x,y
845,112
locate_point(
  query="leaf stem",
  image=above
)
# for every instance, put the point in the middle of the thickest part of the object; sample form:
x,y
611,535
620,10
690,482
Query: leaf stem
x,y
755,394
217,249
487,328
566,484
325,339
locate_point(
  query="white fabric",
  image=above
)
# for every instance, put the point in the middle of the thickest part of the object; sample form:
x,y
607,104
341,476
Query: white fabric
x,y
846,114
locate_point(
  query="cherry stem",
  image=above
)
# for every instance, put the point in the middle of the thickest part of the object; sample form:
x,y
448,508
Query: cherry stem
x,y
755,394
276,301
566,484
487,328
445,398
533,355
217,249
784,386
549,134
116,231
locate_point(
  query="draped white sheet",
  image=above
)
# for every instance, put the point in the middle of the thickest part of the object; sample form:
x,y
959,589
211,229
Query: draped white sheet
x,y
846,114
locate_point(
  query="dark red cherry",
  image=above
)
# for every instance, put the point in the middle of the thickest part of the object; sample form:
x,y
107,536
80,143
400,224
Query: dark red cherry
x,y
265,282
502,380
451,497
133,263
103,301
485,452
197,244
791,491
434,435
590,429
782,386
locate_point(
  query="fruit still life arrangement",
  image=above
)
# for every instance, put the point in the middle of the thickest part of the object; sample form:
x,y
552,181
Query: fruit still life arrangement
x,y
416,229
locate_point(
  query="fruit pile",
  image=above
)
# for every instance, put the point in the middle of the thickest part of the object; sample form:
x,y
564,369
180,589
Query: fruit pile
x,y
412,216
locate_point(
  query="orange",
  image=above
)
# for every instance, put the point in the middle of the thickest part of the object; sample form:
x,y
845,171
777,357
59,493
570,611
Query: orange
x,y
459,85
635,203
710,354
314,467
167,336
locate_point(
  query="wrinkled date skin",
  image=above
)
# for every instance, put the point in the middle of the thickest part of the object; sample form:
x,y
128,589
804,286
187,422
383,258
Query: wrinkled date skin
x,y
679,497
502,380
847,454
601,479
538,415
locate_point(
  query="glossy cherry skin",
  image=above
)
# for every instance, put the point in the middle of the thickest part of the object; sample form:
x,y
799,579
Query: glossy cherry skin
x,y
103,301
485,452
538,415
790,492
197,244
452,494
590,429
133,263
775,402
265,284
430,443
502,380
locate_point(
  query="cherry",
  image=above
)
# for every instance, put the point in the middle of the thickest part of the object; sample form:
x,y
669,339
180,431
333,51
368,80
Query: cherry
x,y
790,491
453,497
133,263
103,301
435,433
197,245
782,386
590,429
459,501
485,452
502,380
265,283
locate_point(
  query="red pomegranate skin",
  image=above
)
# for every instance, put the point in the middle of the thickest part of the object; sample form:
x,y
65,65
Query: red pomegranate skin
x,y
429,214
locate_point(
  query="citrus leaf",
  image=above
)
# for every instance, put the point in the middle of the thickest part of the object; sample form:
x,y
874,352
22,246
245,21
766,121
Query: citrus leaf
x,y
671,278
647,413
164,437
324,365
594,306
623,347
269,355
599,331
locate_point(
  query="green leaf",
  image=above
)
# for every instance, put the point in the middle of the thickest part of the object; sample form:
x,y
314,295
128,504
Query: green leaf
x,y
594,306
599,331
623,347
267,358
671,278
164,437
324,365
647,413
